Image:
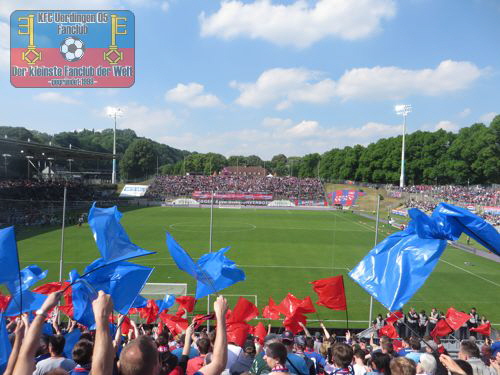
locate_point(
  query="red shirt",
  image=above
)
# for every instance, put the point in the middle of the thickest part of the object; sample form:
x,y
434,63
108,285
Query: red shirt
x,y
194,364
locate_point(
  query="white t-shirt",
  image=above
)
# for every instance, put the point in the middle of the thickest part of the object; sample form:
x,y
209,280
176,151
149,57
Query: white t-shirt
x,y
50,364
233,352
359,369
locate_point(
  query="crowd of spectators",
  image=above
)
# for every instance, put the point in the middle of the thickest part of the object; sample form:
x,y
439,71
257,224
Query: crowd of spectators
x,y
465,195
147,351
281,187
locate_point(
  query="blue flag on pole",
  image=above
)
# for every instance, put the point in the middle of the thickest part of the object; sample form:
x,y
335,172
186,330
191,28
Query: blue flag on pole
x,y
165,303
110,236
5,347
123,281
139,302
71,338
397,267
31,302
213,271
9,265
29,277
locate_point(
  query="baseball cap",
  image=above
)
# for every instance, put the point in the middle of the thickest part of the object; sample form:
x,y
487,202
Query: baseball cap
x,y
287,336
300,340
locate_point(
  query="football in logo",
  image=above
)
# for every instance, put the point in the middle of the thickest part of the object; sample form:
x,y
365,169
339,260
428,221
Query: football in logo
x,y
72,49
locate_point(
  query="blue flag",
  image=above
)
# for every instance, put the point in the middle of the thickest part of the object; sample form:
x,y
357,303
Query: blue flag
x,y
213,271
29,277
71,338
139,302
110,237
5,347
31,302
123,281
9,265
165,303
397,267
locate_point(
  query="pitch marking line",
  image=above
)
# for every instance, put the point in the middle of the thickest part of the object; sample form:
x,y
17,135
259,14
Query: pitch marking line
x,y
472,273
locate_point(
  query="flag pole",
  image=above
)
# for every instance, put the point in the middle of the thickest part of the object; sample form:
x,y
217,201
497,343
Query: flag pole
x,y
376,242
210,250
62,244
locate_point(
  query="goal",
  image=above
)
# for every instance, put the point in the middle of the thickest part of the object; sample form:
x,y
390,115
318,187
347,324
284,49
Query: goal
x,y
230,204
159,290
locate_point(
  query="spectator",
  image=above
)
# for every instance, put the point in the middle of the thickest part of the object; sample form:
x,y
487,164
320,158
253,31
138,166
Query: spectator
x,y
427,365
379,364
82,355
414,353
403,366
194,364
341,356
470,352
276,358
244,361
359,362
56,359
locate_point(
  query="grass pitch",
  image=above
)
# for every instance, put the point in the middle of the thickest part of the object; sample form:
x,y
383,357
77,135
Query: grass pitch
x,y
280,251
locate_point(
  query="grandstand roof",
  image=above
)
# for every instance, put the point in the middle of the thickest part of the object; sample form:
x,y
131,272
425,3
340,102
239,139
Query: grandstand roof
x,y
18,148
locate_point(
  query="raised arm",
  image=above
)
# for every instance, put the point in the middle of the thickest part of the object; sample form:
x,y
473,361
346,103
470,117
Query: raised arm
x,y
306,331
103,355
219,357
15,348
25,363
325,331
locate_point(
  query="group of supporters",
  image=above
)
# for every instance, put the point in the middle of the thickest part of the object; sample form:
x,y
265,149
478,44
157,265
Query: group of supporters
x,y
470,195
423,323
280,187
151,351
45,190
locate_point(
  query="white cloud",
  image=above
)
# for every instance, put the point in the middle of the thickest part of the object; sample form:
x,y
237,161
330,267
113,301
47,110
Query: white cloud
x,y
397,83
487,117
165,6
4,46
192,95
146,121
466,112
303,129
372,129
271,122
298,24
447,125
55,97
285,86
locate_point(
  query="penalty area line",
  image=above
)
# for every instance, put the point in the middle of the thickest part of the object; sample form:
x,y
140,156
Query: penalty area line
x,y
472,273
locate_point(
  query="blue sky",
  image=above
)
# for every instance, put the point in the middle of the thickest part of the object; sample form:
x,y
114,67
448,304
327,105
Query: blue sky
x,y
269,77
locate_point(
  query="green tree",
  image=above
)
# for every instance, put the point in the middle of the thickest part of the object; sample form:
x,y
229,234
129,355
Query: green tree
x,y
139,159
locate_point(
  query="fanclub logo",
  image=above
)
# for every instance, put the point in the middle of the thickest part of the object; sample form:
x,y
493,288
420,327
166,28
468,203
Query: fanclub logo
x,y
72,49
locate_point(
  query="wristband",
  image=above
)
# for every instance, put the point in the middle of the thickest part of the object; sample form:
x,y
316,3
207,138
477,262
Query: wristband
x,y
41,312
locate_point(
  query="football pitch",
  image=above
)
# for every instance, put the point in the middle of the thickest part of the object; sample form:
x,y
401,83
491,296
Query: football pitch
x,y
280,251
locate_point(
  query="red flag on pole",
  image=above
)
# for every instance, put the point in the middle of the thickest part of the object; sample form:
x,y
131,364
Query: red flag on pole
x,y
271,310
456,319
331,292
175,324
394,316
260,332
483,329
244,311
389,331
186,302
441,329
238,333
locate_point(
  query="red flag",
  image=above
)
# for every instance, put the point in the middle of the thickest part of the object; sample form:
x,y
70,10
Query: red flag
x,y
456,319
200,319
244,311
291,305
67,310
483,329
395,315
331,292
126,325
260,332
389,331
4,301
238,333
291,323
186,302
175,324
180,312
51,287
150,312
271,310
441,329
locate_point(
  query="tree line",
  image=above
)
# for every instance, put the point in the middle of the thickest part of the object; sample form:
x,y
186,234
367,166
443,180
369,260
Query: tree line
x,y
471,156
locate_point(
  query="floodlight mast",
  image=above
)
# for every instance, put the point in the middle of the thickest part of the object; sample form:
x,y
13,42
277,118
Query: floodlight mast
x,y
114,113
403,110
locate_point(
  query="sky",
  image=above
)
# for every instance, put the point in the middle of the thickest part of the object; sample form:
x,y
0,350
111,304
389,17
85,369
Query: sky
x,y
266,77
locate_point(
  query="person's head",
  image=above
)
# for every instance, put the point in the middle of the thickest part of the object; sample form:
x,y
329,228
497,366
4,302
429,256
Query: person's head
x,y
379,316
422,312
56,345
275,354
412,310
309,343
341,355
427,364
269,339
168,362
473,310
300,343
405,343
82,352
465,366
203,345
287,339
139,357
359,356
403,366
162,339
380,362
430,346
384,340
468,349
414,343
387,348
44,345
249,349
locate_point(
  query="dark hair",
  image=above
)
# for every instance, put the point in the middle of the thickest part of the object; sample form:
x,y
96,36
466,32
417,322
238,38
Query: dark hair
x,y
403,366
162,339
277,351
342,355
56,344
203,345
381,362
309,342
387,347
469,348
465,366
414,343
82,352
358,353
139,363
168,362
87,336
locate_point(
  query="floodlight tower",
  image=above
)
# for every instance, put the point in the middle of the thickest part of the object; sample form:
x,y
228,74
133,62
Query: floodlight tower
x,y
403,110
114,113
